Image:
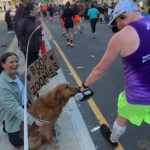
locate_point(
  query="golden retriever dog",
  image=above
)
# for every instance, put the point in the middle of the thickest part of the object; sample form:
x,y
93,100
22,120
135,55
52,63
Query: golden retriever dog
x,y
48,108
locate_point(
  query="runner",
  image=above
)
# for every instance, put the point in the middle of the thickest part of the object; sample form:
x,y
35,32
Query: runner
x,y
134,50
93,13
77,19
51,12
68,16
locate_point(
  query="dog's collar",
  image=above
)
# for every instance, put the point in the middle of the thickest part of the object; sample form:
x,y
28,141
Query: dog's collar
x,y
45,122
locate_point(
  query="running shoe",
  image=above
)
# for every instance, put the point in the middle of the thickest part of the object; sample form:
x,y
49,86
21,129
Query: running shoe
x,y
68,43
71,44
106,133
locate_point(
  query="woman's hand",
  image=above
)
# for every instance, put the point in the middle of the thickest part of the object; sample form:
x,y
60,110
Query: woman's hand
x,y
39,123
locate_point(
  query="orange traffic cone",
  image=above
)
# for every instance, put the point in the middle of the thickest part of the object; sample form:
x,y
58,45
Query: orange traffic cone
x,y
43,47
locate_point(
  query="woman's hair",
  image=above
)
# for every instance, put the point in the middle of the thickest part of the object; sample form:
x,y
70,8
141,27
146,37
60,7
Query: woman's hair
x,y
67,5
92,5
4,57
29,7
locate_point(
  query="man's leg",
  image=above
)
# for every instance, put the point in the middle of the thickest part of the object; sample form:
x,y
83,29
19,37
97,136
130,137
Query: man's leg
x,y
119,128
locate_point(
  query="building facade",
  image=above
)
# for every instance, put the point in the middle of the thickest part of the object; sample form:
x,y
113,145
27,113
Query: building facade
x,y
6,4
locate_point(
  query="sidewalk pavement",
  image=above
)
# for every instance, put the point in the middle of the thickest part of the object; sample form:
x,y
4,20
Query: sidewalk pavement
x,y
74,134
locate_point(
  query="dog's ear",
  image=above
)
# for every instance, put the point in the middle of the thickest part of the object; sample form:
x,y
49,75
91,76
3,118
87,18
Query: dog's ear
x,y
52,98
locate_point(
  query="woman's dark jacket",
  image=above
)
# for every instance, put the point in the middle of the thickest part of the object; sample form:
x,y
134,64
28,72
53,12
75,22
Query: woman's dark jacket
x,y
20,13
51,10
25,28
7,16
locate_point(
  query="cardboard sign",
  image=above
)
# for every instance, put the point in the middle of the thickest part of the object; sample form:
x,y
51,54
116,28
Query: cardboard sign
x,y
41,70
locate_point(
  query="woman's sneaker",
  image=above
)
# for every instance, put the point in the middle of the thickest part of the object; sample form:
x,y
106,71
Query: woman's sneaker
x,y
106,133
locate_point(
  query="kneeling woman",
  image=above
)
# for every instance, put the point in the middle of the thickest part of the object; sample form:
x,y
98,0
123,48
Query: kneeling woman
x,y
12,99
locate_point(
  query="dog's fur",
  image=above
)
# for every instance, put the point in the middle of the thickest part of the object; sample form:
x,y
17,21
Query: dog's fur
x,y
48,107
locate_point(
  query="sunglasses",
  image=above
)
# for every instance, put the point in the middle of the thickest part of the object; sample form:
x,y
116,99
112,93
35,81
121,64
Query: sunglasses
x,y
120,16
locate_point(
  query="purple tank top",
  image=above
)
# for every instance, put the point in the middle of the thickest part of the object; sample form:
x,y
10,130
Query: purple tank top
x,y
137,66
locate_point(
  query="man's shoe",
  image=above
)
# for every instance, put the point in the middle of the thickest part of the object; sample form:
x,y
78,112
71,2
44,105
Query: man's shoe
x,y
94,35
71,44
68,43
106,133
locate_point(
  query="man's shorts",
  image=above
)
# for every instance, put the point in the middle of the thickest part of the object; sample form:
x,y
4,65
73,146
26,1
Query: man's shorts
x,y
136,114
68,25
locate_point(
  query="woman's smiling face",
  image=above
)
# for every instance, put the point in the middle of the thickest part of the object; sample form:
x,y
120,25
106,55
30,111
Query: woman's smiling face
x,y
11,65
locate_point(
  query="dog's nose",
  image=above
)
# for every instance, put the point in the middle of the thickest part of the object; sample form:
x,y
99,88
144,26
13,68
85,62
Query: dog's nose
x,y
78,89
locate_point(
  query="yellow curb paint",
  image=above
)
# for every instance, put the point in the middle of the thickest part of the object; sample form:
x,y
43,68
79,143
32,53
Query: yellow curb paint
x,y
91,102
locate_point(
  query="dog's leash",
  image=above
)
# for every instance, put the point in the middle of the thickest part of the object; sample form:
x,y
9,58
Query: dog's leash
x,y
26,143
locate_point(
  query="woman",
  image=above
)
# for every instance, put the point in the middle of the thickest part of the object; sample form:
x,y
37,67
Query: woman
x,y
93,14
12,99
77,19
8,21
51,12
68,15
25,28
86,12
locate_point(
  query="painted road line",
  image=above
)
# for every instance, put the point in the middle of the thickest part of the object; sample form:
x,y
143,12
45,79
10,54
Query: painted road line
x,y
91,102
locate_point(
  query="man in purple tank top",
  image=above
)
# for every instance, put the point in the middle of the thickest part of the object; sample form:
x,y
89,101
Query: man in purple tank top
x,y
134,101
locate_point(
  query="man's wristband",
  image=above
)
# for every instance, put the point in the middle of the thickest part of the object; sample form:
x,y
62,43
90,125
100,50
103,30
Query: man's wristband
x,y
84,85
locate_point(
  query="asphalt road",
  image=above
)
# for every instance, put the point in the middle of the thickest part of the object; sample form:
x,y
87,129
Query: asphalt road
x,y
85,54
